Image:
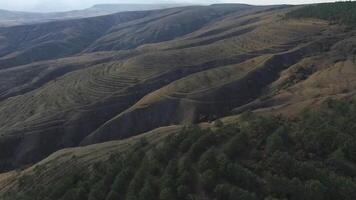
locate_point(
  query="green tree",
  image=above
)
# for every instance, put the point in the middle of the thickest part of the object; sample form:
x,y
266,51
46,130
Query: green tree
x,y
222,191
147,192
167,194
113,196
239,194
209,179
274,143
315,190
182,192
237,145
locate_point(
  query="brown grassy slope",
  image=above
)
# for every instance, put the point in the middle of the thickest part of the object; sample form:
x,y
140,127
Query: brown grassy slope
x,y
20,79
65,110
226,70
291,65
25,44
312,80
167,25
211,93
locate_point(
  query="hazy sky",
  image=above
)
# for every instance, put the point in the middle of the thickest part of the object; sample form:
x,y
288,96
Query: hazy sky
x,y
60,5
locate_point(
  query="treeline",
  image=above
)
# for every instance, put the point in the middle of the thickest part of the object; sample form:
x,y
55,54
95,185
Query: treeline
x,y
311,157
340,12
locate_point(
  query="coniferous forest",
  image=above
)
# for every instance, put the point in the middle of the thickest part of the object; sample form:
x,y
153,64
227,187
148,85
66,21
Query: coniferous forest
x,y
311,157
343,12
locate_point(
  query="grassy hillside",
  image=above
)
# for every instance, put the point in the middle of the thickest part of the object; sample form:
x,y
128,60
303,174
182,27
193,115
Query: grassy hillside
x,y
341,12
64,102
310,157
45,41
139,83
127,30
229,59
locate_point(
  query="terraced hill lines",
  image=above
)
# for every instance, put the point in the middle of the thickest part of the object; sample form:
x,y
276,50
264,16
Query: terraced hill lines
x,y
185,101
98,92
136,75
228,58
22,79
202,96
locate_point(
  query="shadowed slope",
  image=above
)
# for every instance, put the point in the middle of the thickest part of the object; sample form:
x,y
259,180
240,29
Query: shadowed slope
x,y
25,44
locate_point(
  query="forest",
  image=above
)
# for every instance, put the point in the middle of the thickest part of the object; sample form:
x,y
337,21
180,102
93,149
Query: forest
x,y
312,156
343,12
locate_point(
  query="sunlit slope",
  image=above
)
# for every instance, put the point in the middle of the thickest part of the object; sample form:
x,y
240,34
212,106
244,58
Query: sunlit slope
x,y
312,80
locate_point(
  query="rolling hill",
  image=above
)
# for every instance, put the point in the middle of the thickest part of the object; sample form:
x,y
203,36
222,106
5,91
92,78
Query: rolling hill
x,y
16,18
106,84
98,84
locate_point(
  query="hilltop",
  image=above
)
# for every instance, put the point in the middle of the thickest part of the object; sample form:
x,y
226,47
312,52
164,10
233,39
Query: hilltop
x,y
15,18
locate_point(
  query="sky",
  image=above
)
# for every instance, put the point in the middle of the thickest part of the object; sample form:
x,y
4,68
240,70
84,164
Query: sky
x,y
63,5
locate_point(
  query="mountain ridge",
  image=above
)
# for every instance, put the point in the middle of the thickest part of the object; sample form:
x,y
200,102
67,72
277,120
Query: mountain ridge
x,y
15,18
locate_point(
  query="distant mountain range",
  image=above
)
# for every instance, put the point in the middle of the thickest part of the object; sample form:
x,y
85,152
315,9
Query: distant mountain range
x,y
12,18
